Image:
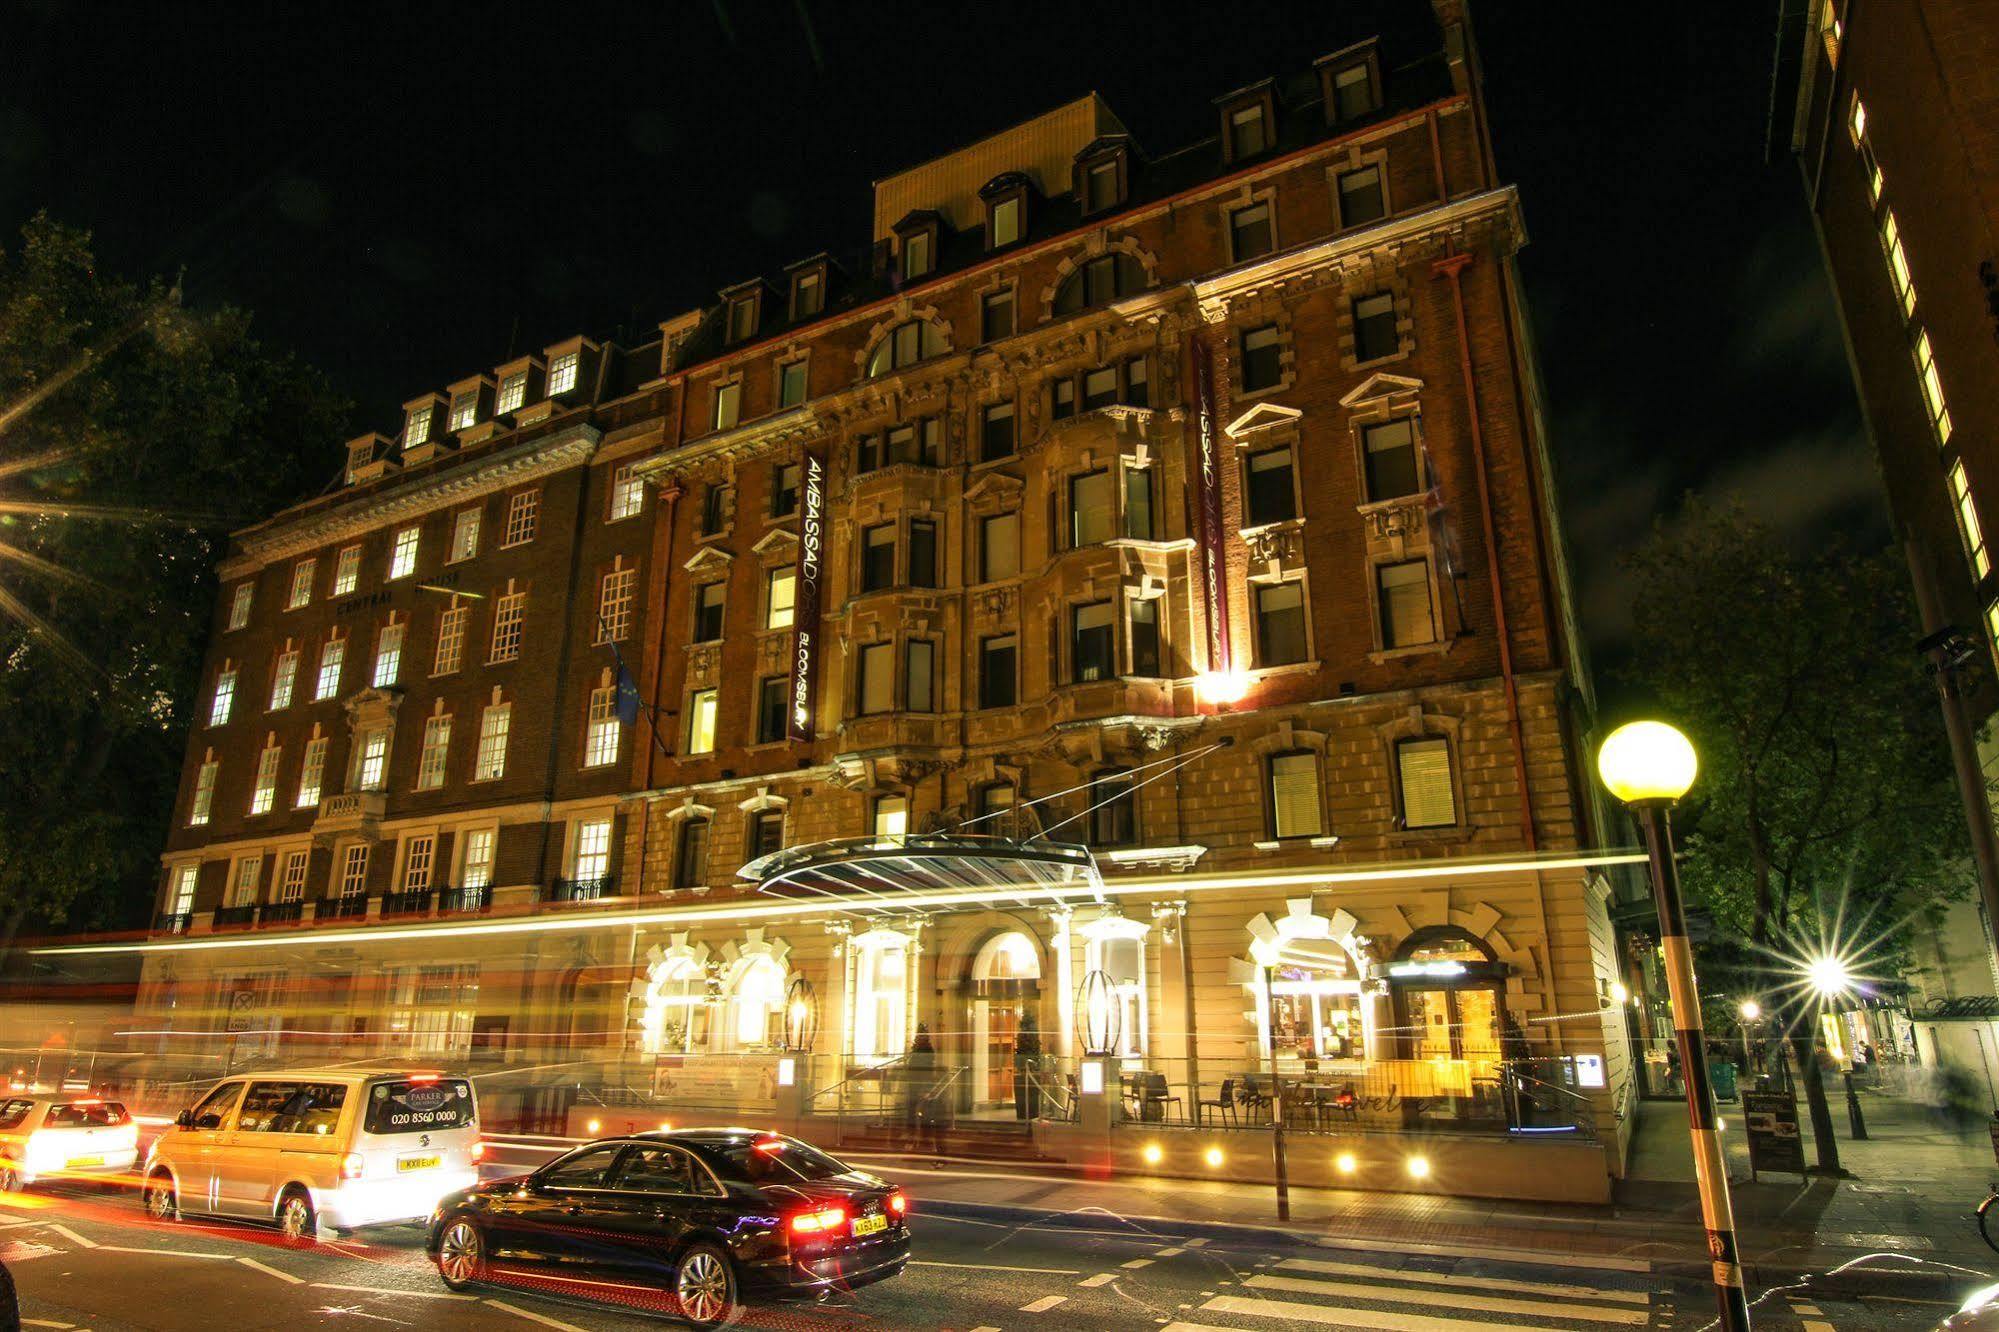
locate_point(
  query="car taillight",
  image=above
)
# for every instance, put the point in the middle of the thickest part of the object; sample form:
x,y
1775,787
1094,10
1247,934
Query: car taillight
x,y
818,1223
898,1203
478,1151
351,1165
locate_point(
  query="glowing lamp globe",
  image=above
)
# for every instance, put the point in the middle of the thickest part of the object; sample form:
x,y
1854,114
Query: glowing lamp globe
x,y
1829,975
1751,1010
1221,686
1645,761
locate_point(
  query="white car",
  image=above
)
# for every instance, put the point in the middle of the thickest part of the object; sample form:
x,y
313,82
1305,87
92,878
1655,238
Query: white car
x,y
51,1136
1979,1313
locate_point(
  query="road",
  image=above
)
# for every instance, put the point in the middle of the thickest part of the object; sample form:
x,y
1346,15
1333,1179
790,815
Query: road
x,y
85,1259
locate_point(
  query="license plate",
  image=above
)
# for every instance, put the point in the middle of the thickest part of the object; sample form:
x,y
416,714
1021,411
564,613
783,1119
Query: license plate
x,y
418,1162
868,1225
78,1162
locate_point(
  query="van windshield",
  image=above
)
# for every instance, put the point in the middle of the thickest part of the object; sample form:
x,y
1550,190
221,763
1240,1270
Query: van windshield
x,y
419,1105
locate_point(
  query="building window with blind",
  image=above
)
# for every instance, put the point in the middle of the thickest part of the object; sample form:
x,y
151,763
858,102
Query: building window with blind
x,y
1113,809
784,479
780,597
998,667
766,833
239,607
1261,362
354,870
371,764
402,556
1138,504
330,658
490,762
1091,517
601,732
224,698
996,434
701,722
1967,521
1388,451
419,855
523,515
771,696
264,793
1249,131
690,861
311,774
283,676
919,664
1269,493
1099,387
1281,639
874,685
1374,336
1092,646
628,494
204,793
431,763
1361,197
1403,591
1423,772
475,864
291,880
996,316
999,547
614,605
1294,795
790,384
1352,88
508,613
388,655
1145,638
878,557
450,640
301,584
1250,234
347,571
708,600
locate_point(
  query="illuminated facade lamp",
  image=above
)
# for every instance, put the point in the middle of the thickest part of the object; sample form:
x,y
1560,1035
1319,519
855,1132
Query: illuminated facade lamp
x,y
1099,1015
801,1016
1221,686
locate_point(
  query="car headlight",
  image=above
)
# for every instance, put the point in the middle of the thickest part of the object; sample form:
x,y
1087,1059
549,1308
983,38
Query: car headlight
x,y
1978,1299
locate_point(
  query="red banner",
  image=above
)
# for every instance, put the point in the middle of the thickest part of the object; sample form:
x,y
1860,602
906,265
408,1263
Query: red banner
x,y
806,597
1210,535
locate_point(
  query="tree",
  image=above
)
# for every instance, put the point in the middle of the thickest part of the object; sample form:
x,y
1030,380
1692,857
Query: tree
x,y
1823,821
134,434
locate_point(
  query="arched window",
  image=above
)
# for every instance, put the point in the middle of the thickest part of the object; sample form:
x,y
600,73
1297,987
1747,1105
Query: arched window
x,y
906,344
757,1006
676,1011
1447,997
881,995
1114,812
1005,957
1104,278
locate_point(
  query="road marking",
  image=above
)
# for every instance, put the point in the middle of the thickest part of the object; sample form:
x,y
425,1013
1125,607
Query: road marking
x,y
985,1329
990,1267
1814,1325
1100,1279
164,1253
1443,1299
1173,1252
43,1322
530,1314
1137,1263
391,1290
1809,1310
1479,1282
1373,1320
72,1236
1529,1257
1044,1304
272,1271
1196,1243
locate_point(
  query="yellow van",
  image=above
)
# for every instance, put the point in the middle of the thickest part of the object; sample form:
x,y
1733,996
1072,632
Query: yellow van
x,y
332,1148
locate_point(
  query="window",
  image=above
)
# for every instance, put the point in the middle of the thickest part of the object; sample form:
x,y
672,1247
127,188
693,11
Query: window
x,y
628,494
282,677
513,392
701,722
239,606
708,611
417,429
1138,503
1404,590
371,769
347,571
490,762
742,319
330,657
1374,334
402,556
225,697
780,597
868,454
878,557
1062,399
1101,185
997,671
1361,199
243,884
1261,365
508,613
1113,809
464,536
808,293
354,870
1005,220
388,655
1250,235
1280,624
1105,278
450,640
1856,121
1137,383
790,384
996,435
1389,459
919,667
996,315
690,861
601,735
1249,132
1090,642
881,996
771,695
909,343
1294,795
917,258
922,552
431,762
1967,521
1423,768
311,774
475,867
465,410
891,819
523,508
766,833
999,546
291,881
1352,93
1898,263
1271,496
874,689
728,405
301,592
784,489
1830,31
614,605
1926,371
562,372
593,851
1099,387
1090,514
204,793
714,508
1145,638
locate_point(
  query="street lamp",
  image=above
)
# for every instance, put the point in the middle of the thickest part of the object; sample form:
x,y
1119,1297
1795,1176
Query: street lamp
x,y
1649,765
1751,1013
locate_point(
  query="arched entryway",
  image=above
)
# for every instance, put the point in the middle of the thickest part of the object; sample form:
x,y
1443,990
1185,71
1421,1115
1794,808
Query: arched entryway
x,y
1005,987
1447,987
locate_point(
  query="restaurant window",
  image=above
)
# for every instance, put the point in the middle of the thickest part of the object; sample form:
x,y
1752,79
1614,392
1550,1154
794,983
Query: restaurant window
x,y
780,597
771,698
1104,278
1389,451
1271,495
1113,808
808,293
728,405
1248,130
1091,518
1374,334
1294,795
1138,503
922,552
1361,197
690,860
701,722
784,481
1404,592
1250,236
891,817
1261,359
766,833
1121,958
919,665
708,599
996,437
878,557
881,988
996,315
1280,624
1091,642
1444,1014
1145,638
998,665
791,384
874,689
1423,772
759,1004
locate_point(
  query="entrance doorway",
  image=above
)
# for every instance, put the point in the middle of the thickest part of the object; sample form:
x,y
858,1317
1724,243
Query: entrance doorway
x,y
1006,986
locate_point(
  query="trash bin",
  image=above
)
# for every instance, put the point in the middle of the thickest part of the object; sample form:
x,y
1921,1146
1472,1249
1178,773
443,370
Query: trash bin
x,y
1722,1074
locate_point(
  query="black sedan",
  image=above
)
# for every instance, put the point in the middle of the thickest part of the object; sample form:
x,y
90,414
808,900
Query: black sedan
x,y
696,1221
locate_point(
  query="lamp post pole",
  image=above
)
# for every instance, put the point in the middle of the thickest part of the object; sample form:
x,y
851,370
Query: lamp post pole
x,y
1276,1099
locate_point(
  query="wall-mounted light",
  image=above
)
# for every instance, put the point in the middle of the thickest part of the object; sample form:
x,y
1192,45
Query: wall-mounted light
x,y
801,1016
1099,1015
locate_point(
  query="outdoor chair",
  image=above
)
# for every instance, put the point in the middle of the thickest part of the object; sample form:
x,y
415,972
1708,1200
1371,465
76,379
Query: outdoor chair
x,y
1249,1096
1224,1102
1153,1090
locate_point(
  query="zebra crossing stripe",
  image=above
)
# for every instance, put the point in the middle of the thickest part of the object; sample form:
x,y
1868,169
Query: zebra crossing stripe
x,y
1477,1282
1325,1315
1444,1299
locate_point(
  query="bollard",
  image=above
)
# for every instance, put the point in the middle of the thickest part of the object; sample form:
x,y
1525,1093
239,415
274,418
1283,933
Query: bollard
x,y
1854,1118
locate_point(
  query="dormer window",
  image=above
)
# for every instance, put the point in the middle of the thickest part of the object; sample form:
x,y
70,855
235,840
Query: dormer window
x,y
1350,83
745,307
416,428
1102,174
1248,123
918,254
465,410
1005,197
513,392
808,291
1004,222
563,372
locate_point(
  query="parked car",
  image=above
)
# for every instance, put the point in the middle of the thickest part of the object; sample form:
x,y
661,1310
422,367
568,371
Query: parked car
x,y
64,1137
335,1148
1978,1313
706,1218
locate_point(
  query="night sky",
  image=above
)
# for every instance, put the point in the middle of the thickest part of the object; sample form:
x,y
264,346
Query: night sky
x,y
408,195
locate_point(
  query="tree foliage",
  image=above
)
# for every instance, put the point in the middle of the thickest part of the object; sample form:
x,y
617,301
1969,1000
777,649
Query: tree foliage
x,y
134,434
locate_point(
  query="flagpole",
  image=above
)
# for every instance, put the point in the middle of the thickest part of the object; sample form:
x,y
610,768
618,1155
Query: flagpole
x,y
627,679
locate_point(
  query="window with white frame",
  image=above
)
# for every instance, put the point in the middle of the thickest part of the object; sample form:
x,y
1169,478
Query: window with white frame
x,y
311,773
701,722
301,593
204,793
891,817
475,866
1403,590
186,877
881,996
758,1003
239,606
508,612
614,605
513,392
523,510
264,793
224,699
283,675
602,733
432,762
419,852
465,535
728,405
402,555
593,851
1926,374
450,640
416,428
562,372
354,870
1294,795
371,767
628,493
780,597
1967,521
1423,771
330,658
291,879
490,762
347,571
243,882
388,654
465,410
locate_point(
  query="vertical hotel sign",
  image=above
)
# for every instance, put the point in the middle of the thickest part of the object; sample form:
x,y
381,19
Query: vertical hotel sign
x,y
811,569
1208,506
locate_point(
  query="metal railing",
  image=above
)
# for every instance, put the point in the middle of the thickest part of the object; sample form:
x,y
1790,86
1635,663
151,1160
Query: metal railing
x,y
581,890
173,922
352,906
280,913
414,902
235,917
463,898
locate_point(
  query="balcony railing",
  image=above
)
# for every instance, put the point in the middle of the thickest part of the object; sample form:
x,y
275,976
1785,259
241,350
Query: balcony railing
x,y
173,922
580,890
477,897
347,907
414,902
350,811
280,913
235,917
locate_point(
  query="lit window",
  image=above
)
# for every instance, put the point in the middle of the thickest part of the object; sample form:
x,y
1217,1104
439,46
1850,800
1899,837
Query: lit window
x,y
791,384
523,508
1249,232
701,722
465,410
372,766
1967,521
465,535
418,854
1294,796
1404,592
243,884
1361,199
291,882
1353,92
1006,221
508,613
1271,497
690,861
418,429
601,735
916,255
997,671
1423,768
311,773
239,607
301,592
431,762
780,598
1926,370
1374,328
354,870
881,1003
264,793
891,817
330,658
614,605
1831,32
728,405
1856,120
388,655
513,392
475,869
347,571
562,373
1090,512
708,599
996,316
1248,133
402,558
593,851
1262,363
1090,642
1280,624
186,877
1898,263
1390,459
450,640
808,294
225,698
999,546
491,760
919,675
282,677
204,793
875,689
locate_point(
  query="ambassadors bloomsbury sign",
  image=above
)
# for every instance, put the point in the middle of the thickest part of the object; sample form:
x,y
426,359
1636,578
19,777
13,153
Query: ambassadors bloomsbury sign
x,y
811,567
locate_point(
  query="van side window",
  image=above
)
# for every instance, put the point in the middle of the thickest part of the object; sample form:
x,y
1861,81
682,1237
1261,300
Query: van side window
x,y
218,1102
292,1107
261,1107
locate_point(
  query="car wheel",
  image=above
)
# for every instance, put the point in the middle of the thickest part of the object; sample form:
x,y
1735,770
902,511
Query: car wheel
x,y
161,1202
296,1216
10,1178
461,1254
704,1287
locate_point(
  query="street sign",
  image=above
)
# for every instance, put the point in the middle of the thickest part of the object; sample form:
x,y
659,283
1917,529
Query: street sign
x,y
1771,1119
